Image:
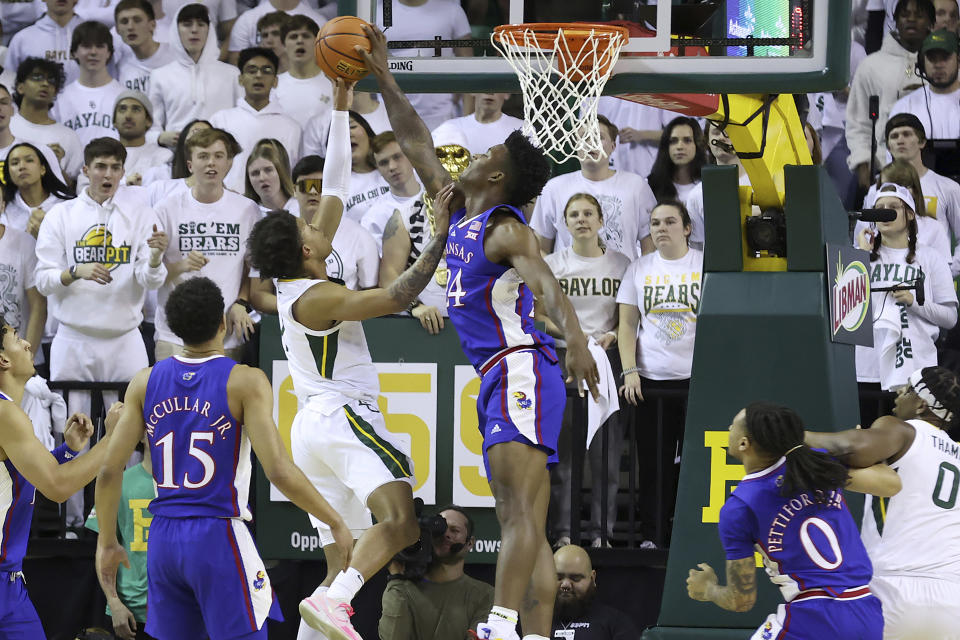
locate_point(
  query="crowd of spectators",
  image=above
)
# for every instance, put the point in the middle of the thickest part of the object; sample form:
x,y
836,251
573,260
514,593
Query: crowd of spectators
x,y
141,140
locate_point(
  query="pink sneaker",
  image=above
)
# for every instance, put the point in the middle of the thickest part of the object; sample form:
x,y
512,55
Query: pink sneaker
x,y
329,616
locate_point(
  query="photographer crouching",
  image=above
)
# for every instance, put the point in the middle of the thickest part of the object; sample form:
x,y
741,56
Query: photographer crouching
x,y
428,596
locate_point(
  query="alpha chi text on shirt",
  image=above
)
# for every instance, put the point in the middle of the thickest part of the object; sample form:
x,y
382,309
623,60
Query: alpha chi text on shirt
x,y
179,404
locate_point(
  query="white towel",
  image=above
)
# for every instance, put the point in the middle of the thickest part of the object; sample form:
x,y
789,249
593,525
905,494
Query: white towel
x,y
887,335
598,411
45,409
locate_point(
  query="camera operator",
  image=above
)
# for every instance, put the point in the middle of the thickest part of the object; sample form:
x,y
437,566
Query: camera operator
x,y
443,604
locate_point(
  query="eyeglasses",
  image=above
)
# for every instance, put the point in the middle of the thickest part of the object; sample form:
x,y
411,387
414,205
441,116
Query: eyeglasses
x,y
252,70
310,185
39,77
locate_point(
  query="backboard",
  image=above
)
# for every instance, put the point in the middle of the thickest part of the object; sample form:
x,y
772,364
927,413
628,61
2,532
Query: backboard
x,y
717,46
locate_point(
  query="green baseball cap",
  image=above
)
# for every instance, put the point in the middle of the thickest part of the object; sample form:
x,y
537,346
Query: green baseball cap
x,y
941,39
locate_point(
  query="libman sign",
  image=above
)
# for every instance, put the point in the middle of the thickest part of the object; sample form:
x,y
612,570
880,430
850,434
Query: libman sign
x,y
849,280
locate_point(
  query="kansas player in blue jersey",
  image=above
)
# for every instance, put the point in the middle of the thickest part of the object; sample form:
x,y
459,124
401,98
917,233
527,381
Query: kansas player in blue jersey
x,y
789,507
25,465
202,413
496,271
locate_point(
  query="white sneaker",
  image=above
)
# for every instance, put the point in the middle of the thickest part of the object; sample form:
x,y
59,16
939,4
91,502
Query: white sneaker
x,y
562,541
329,616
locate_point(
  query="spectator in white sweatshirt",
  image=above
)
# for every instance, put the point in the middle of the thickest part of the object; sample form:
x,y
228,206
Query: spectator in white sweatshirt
x,y
256,116
196,85
86,104
146,161
48,38
136,24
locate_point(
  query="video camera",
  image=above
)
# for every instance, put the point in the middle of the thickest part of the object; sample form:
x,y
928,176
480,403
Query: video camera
x,y
417,557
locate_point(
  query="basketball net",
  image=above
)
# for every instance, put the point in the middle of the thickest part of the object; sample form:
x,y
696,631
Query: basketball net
x,y
562,70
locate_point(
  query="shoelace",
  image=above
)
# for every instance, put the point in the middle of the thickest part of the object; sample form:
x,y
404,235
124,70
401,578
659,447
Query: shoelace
x,y
346,608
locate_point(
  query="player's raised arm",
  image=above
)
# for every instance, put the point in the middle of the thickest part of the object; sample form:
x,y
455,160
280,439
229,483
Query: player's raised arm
x,y
336,168
256,397
512,242
887,438
412,133
128,432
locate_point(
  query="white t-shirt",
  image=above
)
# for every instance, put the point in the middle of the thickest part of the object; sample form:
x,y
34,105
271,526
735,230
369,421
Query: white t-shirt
x,y
481,136
317,129
938,112
425,22
667,293
15,16
150,160
305,98
18,265
48,40
134,73
591,284
354,258
694,205
87,110
915,342
365,189
626,200
378,119
377,216
219,230
636,157
414,218
17,212
244,33
47,134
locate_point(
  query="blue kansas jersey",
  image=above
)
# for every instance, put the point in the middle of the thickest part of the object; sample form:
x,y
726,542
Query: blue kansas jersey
x,y
490,306
805,545
201,457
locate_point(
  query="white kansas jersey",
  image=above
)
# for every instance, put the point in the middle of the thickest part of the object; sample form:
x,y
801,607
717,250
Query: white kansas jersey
x,y
329,368
917,531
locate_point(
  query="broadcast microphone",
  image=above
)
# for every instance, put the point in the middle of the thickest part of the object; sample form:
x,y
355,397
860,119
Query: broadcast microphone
x,y
874,215
918,283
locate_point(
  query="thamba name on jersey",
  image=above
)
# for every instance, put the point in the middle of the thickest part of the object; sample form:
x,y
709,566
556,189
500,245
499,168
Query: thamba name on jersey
x,y
96,245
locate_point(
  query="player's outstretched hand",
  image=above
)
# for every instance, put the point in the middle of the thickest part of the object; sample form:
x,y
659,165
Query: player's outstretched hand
x,y
124,623
77,433
630,389
343,538
113,417
342,94
582,368
699,582
430,318
376,58
442,205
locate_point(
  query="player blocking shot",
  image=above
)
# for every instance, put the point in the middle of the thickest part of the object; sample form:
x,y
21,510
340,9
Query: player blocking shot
x,y
339,436
496,271
914,537
789,507
202,413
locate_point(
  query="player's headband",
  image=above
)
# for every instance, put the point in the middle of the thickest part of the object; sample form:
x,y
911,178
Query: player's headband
x,y
923,392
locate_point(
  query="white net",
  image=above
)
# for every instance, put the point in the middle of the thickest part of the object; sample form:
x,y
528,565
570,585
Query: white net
x,y
562,72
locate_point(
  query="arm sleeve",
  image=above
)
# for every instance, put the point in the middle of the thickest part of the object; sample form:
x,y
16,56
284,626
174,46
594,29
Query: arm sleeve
x,y
51,256
736,529
336,168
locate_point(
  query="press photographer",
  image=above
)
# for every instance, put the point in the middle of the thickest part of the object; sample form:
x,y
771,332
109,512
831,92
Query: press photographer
x,y
428,595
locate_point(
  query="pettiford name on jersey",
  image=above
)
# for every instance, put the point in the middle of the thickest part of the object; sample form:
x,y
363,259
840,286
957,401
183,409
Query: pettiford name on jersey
x,y
201,455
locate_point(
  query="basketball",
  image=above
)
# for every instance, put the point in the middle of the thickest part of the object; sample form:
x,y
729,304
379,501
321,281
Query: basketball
x,y
335,48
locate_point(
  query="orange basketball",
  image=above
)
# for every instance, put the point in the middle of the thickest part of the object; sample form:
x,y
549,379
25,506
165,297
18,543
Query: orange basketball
x,y
334,48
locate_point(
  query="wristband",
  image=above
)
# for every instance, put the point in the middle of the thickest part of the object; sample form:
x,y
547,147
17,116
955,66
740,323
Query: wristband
x,y
73,272
627,372
243,303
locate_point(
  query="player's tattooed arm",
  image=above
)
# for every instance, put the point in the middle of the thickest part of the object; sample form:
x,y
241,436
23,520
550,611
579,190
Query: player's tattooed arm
x,y
412,134
740,592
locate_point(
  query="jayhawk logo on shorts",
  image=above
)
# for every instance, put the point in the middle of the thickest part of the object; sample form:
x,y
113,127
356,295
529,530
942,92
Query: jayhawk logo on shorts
x,y
522,401
260,581
96,245
767,631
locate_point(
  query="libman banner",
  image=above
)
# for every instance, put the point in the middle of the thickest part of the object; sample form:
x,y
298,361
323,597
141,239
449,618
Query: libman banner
x,y
428,396
848,277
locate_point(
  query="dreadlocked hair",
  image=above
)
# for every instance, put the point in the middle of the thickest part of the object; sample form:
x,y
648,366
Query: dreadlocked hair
x,y
911,233
777,431
944,384
529,170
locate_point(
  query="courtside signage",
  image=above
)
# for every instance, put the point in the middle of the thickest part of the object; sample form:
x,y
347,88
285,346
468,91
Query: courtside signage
x,y
849,282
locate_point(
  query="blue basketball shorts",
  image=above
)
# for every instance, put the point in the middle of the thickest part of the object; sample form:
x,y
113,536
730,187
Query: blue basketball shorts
x,y
18,618
521,399
205,573
820,618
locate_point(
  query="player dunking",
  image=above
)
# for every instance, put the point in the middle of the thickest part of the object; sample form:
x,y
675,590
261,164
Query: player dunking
x,y
202,413
25,465
790,508
339,436
495,272
914,537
